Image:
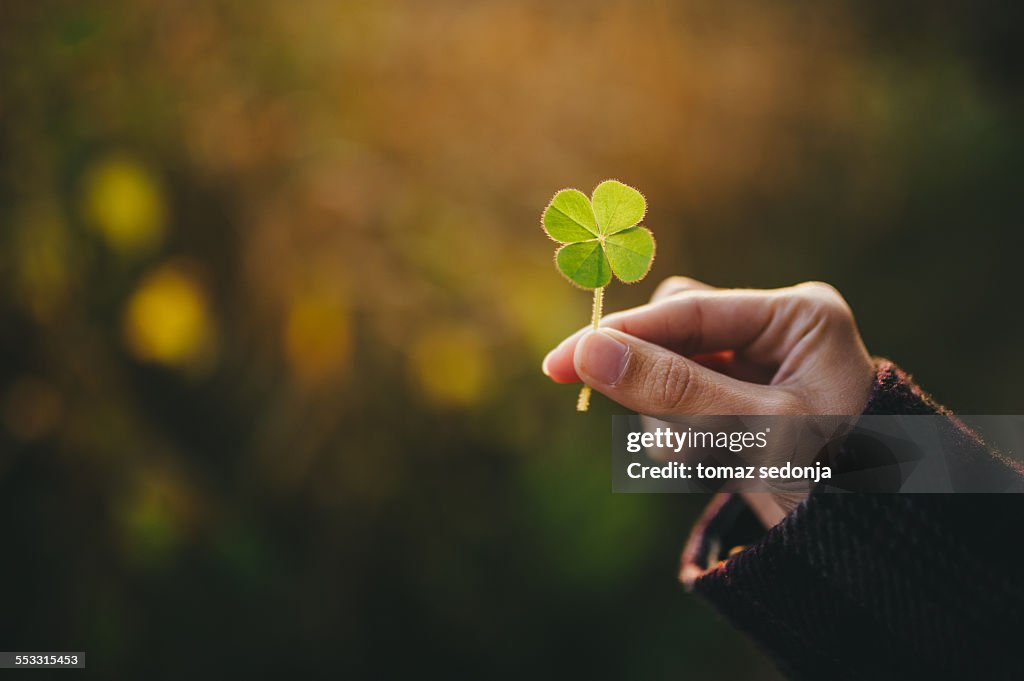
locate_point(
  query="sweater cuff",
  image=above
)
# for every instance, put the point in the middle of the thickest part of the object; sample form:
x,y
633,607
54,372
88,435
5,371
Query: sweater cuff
x,y
892,392
895,393
856,586
821,577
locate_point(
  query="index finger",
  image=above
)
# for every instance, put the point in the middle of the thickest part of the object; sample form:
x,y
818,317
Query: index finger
x,y
693,321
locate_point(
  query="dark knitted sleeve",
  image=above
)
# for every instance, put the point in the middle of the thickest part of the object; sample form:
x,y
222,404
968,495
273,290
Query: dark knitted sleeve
x,y
875,586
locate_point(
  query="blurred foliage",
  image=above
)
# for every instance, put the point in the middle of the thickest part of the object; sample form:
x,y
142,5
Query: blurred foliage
x,y
273,299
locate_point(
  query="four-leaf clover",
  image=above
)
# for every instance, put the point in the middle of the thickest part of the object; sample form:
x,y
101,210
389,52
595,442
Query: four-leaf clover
x,y
601,235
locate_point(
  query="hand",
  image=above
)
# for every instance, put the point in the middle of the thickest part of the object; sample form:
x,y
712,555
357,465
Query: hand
x,y
699,350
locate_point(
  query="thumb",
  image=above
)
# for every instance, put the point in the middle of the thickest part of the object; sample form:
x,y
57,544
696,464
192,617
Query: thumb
x,y
652,380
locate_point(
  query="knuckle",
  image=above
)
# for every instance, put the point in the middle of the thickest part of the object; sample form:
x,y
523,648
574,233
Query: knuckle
x,y
789,402
825,300
673,284
818,288
664,288
670,382
679,281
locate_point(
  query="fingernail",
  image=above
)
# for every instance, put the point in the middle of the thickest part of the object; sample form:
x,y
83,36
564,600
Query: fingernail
x,y
544,365
603,357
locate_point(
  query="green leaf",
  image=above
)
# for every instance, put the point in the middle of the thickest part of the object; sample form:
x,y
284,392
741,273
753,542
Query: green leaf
x,y
617,206
570,218
630,253
584,264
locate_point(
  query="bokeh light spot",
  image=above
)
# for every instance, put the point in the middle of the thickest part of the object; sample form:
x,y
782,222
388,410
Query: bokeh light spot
x,y
451,365
42,266
317,336
124,201
167,319
156,515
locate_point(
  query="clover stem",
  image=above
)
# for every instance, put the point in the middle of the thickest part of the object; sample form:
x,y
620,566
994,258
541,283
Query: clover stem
x,y
583,402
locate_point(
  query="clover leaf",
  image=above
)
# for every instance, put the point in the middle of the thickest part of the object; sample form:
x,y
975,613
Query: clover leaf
x,y
601,235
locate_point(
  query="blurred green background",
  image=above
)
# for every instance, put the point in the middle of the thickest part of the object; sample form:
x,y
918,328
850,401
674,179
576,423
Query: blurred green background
x,y
274,296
